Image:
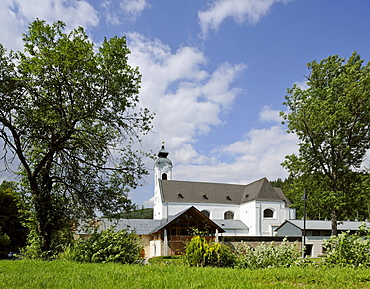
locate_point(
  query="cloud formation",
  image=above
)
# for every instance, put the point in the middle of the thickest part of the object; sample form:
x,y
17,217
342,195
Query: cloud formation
x,y
133,7
188,100
18,14
241,11
257,155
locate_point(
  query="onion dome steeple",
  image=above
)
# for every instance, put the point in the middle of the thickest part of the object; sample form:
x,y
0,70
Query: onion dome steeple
x,y
163,165
162,157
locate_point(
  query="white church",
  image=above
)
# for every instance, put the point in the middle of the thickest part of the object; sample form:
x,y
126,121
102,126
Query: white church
x,y
217,210
256,209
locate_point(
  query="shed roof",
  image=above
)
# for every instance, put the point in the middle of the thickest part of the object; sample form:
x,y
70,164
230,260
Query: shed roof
x,y
324,225
231,224
141,226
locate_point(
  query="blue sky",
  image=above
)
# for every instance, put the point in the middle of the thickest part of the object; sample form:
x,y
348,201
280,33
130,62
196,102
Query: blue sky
x,y
215,72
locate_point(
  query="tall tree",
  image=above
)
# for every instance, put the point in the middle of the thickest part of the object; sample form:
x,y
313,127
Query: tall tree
x,y
69,113
332,121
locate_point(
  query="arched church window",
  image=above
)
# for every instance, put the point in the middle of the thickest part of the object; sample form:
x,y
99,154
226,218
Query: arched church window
x,y
206,213
229,215
268,213
164,176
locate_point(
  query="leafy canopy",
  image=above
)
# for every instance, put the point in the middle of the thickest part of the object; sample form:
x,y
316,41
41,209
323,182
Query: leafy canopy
x,y
331,119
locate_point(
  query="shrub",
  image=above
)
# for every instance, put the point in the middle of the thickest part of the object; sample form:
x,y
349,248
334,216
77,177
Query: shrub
x,y
106,246
349,250
200,253
266,255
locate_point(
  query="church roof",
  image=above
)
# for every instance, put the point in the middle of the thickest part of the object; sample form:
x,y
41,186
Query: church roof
x,y
219,193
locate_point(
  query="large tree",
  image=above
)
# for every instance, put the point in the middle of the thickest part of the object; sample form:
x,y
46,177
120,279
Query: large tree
x,y
332,121
69,113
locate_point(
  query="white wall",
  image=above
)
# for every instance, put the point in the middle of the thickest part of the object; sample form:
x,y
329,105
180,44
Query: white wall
x,y
248,212
278,218
155,248
217,211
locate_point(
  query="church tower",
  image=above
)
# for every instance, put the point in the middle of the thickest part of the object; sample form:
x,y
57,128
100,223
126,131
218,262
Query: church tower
x,y
162,171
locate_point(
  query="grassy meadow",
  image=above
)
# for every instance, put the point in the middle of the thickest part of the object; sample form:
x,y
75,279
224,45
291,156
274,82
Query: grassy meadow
x,y
65,274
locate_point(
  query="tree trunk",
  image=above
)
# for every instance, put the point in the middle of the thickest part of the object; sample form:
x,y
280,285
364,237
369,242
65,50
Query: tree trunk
x,y
43,210
44,215
334,223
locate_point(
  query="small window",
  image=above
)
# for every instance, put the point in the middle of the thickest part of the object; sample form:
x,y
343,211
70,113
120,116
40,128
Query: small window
x,y
205,197
180,196
206,213
268,213
229,215
228,198
164,177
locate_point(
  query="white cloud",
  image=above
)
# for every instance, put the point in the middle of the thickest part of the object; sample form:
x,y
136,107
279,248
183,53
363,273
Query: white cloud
x,y
18,14
133,7
110,14
258,155
116,12
187,99
268,114
240,10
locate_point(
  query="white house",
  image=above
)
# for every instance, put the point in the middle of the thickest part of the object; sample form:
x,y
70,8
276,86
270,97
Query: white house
x,y
316,232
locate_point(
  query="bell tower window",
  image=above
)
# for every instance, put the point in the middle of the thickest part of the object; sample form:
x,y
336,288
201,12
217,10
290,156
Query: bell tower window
x,y
268,213
164,176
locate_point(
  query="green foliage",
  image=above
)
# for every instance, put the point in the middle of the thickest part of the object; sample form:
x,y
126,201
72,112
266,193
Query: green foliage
x,y
59,241
267,255
331,120
69,112
106,246
146,213
349,250
200,253
12,231
4,241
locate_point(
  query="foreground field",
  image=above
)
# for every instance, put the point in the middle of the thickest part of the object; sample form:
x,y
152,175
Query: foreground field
x,y
62,274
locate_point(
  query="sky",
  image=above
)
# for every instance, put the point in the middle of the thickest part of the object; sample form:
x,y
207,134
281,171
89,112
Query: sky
x,y
215,72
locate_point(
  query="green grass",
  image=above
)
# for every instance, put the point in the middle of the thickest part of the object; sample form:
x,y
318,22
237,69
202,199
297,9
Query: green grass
x,y
63,274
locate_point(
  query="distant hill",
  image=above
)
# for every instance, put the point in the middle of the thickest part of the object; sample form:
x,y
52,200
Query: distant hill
x,y
146,213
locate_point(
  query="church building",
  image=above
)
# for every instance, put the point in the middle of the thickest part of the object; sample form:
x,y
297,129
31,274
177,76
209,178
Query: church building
x,y
255,209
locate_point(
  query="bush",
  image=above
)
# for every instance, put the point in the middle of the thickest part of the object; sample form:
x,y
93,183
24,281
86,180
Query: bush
x,y
348,250
267,255
200,253
106,246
